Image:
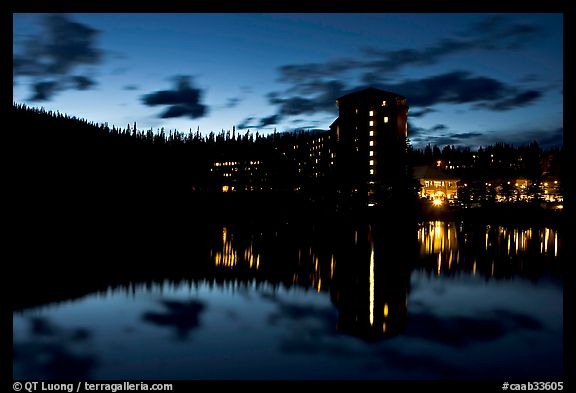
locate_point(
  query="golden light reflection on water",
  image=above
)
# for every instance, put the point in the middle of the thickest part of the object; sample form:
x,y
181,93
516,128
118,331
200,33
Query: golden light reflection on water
x,y
228,257
446,241
371,283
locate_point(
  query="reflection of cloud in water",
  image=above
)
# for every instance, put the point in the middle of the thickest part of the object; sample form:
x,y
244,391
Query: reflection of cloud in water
x,y
182,316
52,352
311,331
458,331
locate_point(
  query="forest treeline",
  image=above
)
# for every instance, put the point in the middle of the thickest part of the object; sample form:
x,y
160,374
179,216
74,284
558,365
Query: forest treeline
x,y
65,158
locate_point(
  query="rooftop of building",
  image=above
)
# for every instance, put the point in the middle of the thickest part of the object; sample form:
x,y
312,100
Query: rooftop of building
x,y
370,92
429,172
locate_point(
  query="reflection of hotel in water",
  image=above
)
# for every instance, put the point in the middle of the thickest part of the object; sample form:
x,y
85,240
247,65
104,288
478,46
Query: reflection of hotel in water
x,y
367,271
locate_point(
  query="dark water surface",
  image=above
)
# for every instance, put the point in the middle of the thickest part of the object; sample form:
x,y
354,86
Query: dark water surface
x,y
442,300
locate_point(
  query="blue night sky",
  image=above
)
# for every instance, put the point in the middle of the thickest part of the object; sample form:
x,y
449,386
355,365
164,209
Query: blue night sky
x,y
470,79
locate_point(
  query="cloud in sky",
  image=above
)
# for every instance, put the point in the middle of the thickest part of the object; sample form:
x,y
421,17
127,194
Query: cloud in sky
x,y
456,87
183,101
461,87
442,135
494,33
313,87
51,58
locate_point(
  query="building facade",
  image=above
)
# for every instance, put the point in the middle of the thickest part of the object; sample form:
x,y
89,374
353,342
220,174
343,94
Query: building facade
x,y
436,185
358,162
370,144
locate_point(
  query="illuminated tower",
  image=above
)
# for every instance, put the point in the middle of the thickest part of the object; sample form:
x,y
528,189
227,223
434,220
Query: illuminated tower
x,y
370,132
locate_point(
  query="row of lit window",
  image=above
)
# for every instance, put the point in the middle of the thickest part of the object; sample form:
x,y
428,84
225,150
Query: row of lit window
x,y
437,183
234,163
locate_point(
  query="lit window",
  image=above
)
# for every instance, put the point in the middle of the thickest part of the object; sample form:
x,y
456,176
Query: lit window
x,y
371,143
371,113
371,122
224,188
371,171
356,110
371,162
383,103
371,133
385,119
371,153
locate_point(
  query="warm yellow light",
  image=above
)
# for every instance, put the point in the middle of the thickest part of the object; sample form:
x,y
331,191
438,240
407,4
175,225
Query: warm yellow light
x,y
437,202
371,315
371,113
439,162
371,162
224,188
371,143
385,119
371,123
371,154
371,171
385,310
383,103
371,133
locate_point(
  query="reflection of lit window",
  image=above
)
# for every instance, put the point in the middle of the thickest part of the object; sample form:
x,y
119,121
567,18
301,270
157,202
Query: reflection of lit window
x,y
371,153
371,143
371,113
371,122
385,119
371,133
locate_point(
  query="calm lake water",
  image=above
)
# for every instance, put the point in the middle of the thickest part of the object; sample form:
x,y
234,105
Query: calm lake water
x,y
440,300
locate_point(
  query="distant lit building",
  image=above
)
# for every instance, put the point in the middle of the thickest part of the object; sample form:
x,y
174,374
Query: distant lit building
x,y
357,161
370,141
436,185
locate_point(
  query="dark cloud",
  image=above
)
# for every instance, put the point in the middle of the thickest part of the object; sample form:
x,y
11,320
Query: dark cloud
x,y
131,87
183,100
44,90
439,127
520,99
546,138
252,122
462,87
269,120
233,102
313,86
247,123
421,112
50,56
490,34
292,103
82,82
466,135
